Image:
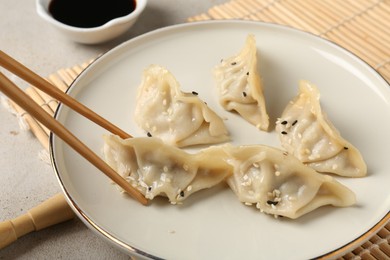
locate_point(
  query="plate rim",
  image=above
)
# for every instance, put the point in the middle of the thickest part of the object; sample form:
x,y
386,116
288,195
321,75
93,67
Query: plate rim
x,y
337,252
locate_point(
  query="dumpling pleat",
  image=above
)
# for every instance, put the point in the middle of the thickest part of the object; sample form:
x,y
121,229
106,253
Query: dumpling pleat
x,y
158,169
306,132
279,184
240,85
178,118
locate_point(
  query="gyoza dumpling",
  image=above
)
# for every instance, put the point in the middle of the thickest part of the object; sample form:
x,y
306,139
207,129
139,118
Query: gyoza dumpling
x,y
178,118
240,85
279,184
158,169
306,132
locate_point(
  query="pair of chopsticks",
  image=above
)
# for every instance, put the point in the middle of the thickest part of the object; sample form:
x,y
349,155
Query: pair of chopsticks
x,y
25,102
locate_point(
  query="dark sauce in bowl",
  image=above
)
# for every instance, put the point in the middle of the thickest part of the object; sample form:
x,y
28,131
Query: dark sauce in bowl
x,y
89,13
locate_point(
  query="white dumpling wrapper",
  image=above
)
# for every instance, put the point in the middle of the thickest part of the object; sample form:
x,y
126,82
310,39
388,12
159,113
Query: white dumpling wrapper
x,y
279,184
306,132
158,169
240,85
178,118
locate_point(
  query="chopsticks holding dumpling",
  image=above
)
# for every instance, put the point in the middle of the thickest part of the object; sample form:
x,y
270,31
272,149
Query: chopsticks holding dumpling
x,y
24,101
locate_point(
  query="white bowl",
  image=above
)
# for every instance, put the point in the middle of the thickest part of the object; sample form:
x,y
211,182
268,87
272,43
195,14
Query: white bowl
x,y
94,35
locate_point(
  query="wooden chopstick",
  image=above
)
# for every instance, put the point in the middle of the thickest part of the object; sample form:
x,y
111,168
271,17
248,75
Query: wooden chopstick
x,y
34,79
24,101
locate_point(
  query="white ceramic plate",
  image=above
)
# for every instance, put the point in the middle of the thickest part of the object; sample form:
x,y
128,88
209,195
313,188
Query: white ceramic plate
x,y
213,224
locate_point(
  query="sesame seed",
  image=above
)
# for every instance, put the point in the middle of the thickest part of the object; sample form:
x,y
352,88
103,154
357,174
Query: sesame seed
x,y
194,93
247,183
284,122
296,121
277,173
247,73
272,203
283,132
345,148
233,63
189,188
149,134
248,203
244,93
181,193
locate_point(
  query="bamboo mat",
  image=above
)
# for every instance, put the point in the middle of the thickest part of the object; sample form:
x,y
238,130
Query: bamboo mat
x,y
361,26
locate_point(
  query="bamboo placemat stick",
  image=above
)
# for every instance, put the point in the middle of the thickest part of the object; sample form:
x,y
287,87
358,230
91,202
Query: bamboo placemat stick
x,y
37,99
48,100
65,77
35,128
52,211
71,73
58,82
77,69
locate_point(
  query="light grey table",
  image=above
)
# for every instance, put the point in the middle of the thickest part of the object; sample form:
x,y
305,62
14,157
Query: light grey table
x,y
25,180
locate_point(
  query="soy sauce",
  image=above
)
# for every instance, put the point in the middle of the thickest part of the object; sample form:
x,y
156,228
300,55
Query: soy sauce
x,y
89,13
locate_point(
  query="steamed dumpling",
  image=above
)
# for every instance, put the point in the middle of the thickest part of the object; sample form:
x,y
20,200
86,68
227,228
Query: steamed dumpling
x,y
178,118
158,169
240,85
307,133
279,184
